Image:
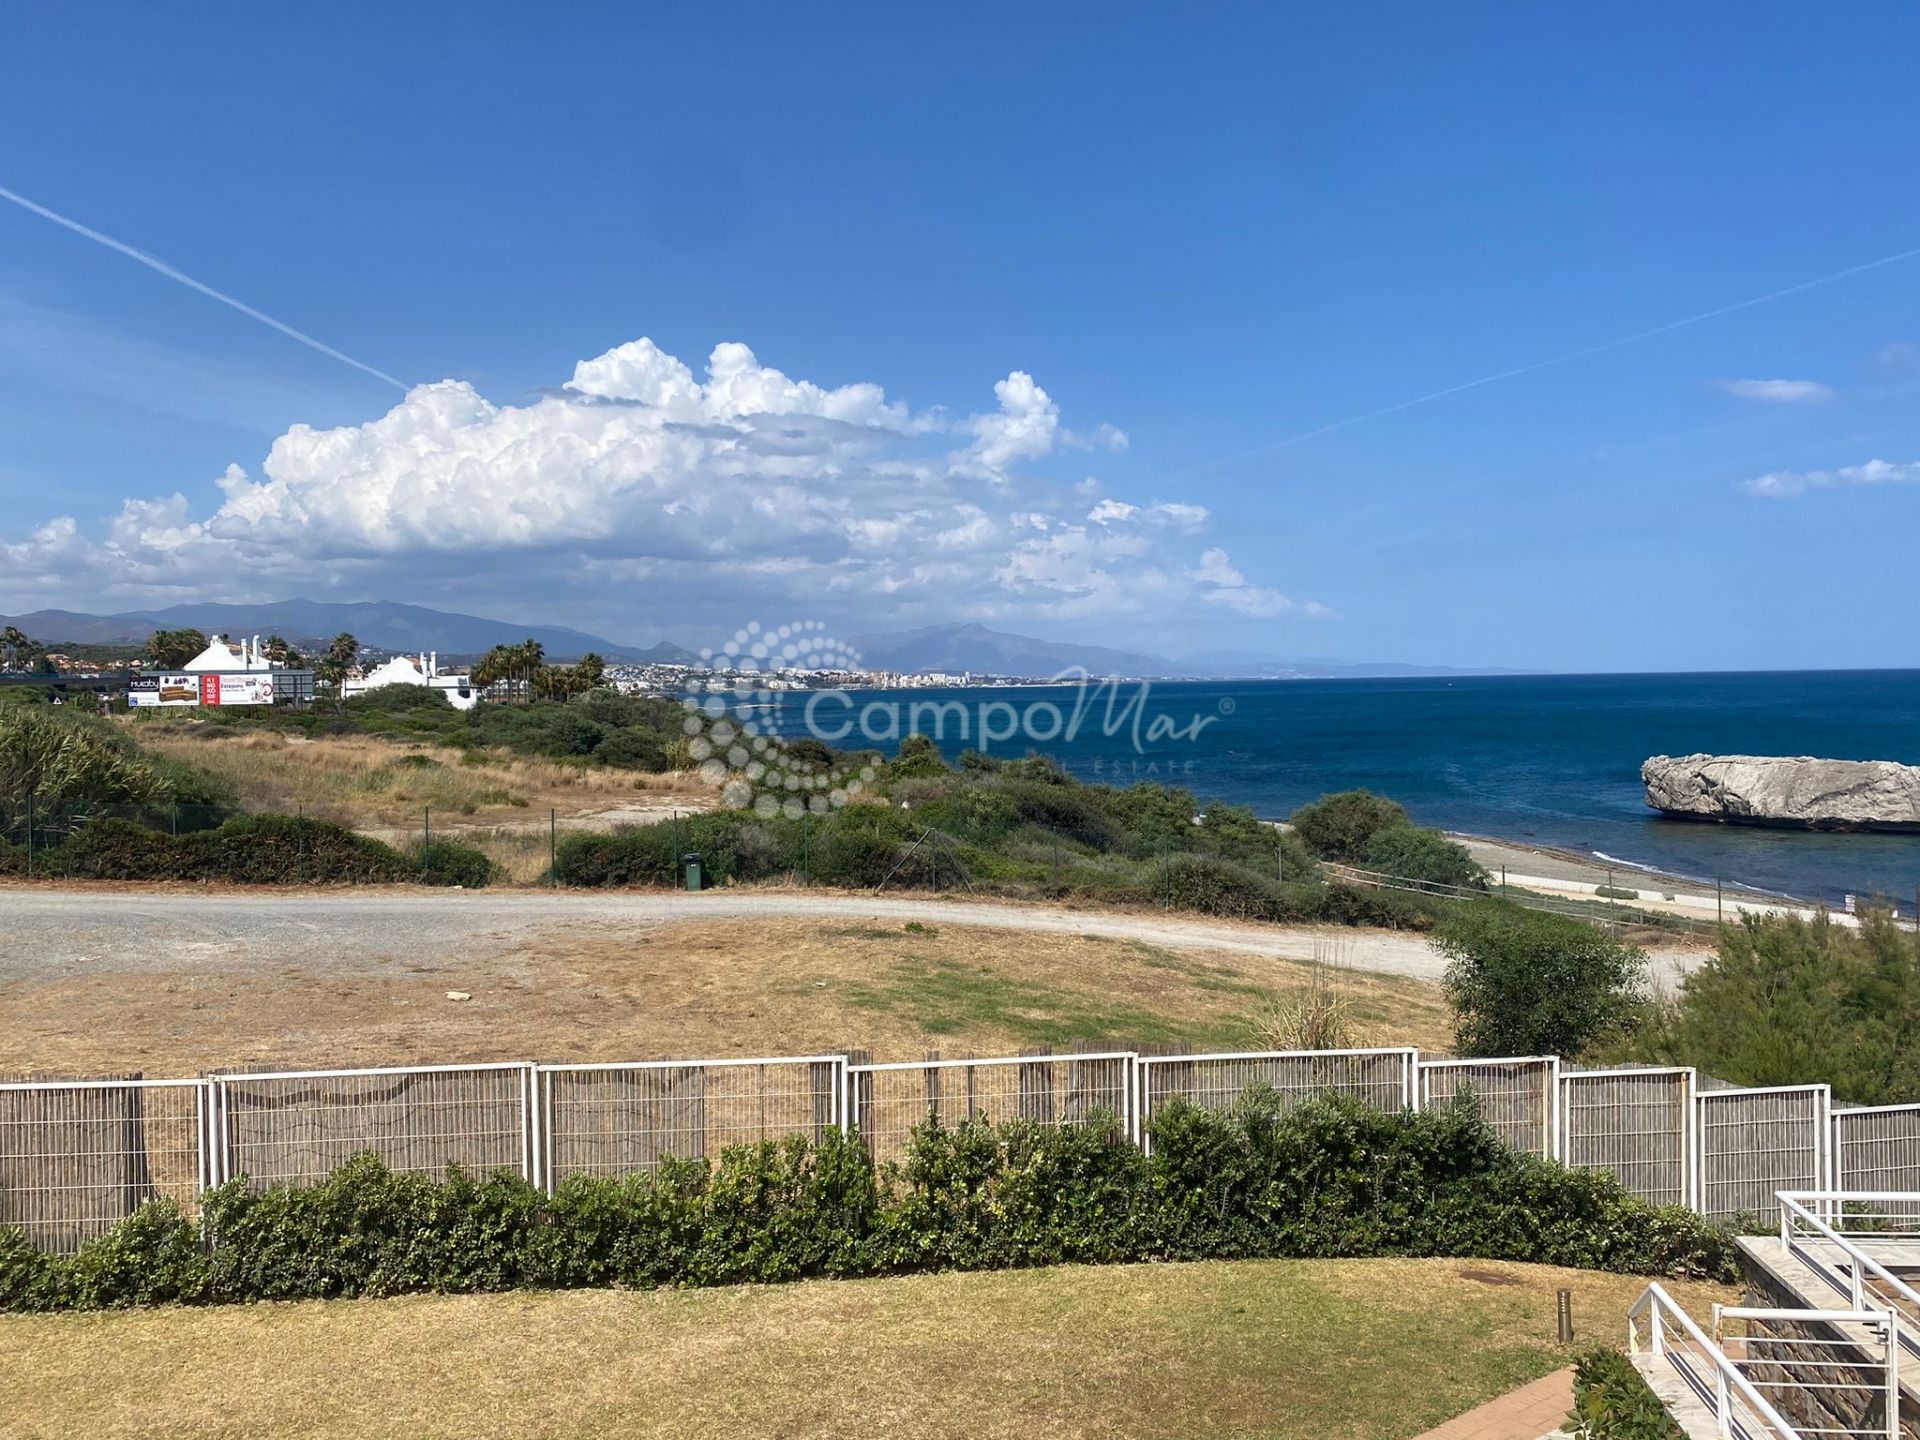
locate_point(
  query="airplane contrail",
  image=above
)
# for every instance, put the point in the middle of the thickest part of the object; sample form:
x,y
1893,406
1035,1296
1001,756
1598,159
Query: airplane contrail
x,y
154,263
1565,359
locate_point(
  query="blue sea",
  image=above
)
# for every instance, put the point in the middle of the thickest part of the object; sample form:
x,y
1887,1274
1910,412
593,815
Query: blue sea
x,y
1550,760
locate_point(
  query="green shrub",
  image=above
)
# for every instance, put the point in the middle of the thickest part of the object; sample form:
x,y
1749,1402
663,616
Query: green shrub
x,y
1327,1178
632,855
1345,904
1340,827
1786,1001
633,748
30,1280
919,757
1408,852
261,850
1523,982
447,862
1611,1401
52,758
1219,887
365,1230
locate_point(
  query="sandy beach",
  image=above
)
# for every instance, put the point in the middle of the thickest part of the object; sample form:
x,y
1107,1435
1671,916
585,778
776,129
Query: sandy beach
x,y
1570,874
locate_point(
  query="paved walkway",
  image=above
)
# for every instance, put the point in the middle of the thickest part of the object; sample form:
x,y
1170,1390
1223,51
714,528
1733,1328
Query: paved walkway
x,y
1526,1414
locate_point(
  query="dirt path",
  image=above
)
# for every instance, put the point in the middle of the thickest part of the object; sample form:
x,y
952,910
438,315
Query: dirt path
x,y
52,932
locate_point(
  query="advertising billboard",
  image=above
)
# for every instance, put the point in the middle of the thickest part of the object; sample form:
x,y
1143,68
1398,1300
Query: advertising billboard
x,y
236,690
163,690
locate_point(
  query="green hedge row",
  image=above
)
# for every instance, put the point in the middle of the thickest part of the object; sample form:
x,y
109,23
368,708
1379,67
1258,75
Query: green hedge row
x,y
1325,1179
1611,1401
254,850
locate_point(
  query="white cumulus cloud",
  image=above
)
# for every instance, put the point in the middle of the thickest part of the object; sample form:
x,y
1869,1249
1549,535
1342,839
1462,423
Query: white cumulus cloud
x,y
639,483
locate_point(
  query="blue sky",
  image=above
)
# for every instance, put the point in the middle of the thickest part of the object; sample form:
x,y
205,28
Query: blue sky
x,y
1174,238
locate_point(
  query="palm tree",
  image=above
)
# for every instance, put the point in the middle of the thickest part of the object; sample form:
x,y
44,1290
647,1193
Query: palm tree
x,y
492,667
281,653
530,655
338,661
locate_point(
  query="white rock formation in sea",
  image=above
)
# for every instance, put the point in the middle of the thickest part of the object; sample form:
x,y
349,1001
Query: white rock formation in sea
x,y
1796,792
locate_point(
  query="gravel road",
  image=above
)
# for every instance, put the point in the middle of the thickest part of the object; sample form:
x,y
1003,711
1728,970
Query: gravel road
x,y
52,932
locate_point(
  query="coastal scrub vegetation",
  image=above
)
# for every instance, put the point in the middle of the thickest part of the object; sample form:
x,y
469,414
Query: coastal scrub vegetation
x,y
600,727
1009,826
245,850
60,761
1523,982
1340,827
1369,832
1786,1001
1329,1178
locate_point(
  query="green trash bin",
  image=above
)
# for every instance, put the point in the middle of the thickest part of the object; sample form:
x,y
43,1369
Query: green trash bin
x,y
691,863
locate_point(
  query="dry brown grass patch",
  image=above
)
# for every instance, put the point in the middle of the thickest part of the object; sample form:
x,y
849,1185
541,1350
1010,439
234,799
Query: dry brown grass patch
x,y
371,782
663,990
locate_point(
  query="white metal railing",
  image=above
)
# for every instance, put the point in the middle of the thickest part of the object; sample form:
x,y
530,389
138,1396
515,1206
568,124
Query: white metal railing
x,y
1851,1239
1658,1327
1832,1383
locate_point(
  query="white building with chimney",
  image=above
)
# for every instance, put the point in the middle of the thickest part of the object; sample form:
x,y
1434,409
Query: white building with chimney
x,y
221,657
417,670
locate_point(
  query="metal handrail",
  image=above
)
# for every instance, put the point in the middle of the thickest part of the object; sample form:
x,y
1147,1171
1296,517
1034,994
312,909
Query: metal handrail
x,y
1811,1375
1859,1264
1660,1311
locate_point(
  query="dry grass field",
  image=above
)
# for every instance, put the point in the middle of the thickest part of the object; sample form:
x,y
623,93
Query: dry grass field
x,y
1306,1350
665,990
500,802
367,781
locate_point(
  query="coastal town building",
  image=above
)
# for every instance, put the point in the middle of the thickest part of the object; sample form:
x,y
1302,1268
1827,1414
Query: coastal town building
x,y
417,670
222,657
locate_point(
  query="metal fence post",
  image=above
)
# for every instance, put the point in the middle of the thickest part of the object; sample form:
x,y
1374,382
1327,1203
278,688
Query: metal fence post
x,y
553,847
426,846
30,835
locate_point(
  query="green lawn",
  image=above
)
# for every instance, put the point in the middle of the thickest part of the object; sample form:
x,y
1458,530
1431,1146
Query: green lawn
x,y
1337,1350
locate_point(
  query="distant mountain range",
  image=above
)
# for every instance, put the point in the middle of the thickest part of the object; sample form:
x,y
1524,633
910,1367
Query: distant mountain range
x,y
382,624
974,649
955,649
962,649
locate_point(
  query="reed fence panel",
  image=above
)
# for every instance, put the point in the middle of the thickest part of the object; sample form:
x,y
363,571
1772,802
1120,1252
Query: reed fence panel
x,y
887,1101
1638,1124
613,1120
1753,1143
78,1156
1517,1097
295,1127
1877,1147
